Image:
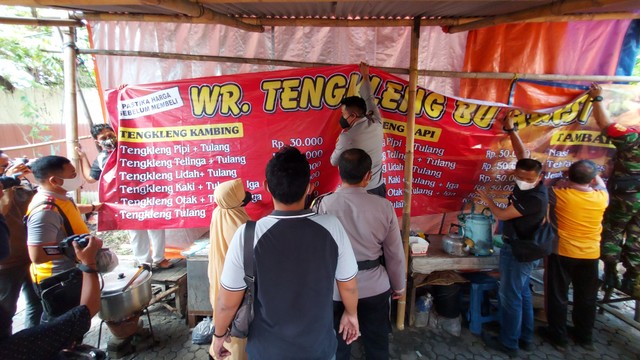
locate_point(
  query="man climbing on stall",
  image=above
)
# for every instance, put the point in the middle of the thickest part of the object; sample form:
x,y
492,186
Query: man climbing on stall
x,y
526,210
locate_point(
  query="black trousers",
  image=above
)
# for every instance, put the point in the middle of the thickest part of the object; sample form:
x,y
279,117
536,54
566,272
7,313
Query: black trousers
x,y
373,318
583,274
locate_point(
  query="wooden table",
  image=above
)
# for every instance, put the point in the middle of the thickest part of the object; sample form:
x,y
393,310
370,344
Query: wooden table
x,y
438,260
172,281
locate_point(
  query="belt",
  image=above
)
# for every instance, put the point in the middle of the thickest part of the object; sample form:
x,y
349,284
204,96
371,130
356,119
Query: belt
x,y
369,264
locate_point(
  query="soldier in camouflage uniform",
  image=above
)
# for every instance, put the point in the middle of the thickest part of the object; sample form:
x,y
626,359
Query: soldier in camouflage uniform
x,y
621,227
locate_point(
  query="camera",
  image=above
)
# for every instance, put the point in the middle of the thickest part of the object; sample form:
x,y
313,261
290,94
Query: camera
x,y
25,161
106,260
66,245
9,181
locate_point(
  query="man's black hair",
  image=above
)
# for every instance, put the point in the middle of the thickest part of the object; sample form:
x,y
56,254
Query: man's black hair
x,y
47,166
354,164
583,171
97,129
529,165
288,175
355,104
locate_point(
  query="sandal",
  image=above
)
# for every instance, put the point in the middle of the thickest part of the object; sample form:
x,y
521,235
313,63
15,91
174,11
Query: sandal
x,y
162,265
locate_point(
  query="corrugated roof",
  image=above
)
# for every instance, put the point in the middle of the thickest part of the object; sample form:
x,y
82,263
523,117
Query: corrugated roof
x,y
254,12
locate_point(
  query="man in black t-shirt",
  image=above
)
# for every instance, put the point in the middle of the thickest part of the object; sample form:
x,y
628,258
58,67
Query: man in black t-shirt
x,y
527,208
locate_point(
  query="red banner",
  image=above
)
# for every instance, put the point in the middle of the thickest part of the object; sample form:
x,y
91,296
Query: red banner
x,y
178,140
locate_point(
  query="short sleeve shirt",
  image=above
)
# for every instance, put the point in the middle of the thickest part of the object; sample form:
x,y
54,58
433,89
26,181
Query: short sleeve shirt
x,y
98,165
298,256
532,204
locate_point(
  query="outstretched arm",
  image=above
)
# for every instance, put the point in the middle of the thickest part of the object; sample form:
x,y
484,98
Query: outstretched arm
x,y
602,119
517,144
366,92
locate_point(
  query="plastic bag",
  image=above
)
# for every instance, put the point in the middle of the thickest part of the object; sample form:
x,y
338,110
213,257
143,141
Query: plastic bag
x,y
203,332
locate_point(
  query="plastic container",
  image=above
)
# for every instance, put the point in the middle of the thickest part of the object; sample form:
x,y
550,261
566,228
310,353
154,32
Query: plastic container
x,y
423,308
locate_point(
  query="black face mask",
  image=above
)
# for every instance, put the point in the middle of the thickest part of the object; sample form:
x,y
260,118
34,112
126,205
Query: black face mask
x,y
247,198
344,123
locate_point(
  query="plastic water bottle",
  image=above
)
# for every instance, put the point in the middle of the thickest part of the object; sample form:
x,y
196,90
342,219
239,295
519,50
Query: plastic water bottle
x,y
423,307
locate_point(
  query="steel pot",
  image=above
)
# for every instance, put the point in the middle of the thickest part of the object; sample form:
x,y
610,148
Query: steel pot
x,y
126,293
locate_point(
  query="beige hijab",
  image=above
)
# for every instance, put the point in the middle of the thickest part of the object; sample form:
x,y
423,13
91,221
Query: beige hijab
x,y
227,217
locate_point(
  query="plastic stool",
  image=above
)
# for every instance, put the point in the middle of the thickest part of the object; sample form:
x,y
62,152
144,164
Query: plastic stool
x,y
478,300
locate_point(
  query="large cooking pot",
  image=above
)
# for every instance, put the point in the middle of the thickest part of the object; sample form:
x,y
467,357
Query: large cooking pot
x,y
125,293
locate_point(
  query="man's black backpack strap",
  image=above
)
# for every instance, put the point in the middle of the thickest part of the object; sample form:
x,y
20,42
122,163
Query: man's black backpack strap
x,y
249,233
67,225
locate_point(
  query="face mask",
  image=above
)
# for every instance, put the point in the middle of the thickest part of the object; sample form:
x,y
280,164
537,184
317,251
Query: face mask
x,y
344,123
523,185
108,144
71,184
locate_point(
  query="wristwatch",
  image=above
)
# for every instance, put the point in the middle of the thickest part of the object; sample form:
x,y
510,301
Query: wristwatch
x,y
597,98
86,268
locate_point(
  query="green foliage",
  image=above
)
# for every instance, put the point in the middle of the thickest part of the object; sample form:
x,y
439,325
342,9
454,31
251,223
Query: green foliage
x,y
32,56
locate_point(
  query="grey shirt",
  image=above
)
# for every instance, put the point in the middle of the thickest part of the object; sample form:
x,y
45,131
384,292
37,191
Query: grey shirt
x,y
365,135
372,227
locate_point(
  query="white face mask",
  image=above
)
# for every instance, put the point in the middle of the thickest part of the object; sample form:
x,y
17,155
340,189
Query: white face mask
x,y
71,184
523,185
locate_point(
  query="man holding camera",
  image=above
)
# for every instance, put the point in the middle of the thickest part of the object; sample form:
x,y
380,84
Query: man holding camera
x,y
52,216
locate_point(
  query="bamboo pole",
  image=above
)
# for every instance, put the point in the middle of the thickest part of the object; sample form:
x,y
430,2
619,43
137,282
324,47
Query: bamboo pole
x,y
557,8
196,10
392,70
45,143
70,111
408,162
9,20
315,22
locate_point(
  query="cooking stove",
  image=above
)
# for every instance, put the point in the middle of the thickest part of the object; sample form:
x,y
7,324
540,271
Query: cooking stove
x,y
129,336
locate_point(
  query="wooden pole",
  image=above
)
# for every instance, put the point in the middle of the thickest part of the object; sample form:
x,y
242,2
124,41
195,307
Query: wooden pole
x,y
31,146
70,110
556,8
40,22
392,70
197,10
314,22
408,162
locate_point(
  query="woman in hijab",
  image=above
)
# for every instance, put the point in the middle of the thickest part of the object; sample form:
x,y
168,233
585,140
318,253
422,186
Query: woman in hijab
x,y
227,217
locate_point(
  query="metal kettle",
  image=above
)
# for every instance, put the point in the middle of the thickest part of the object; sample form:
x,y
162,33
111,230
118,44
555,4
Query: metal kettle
x,y
478,228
